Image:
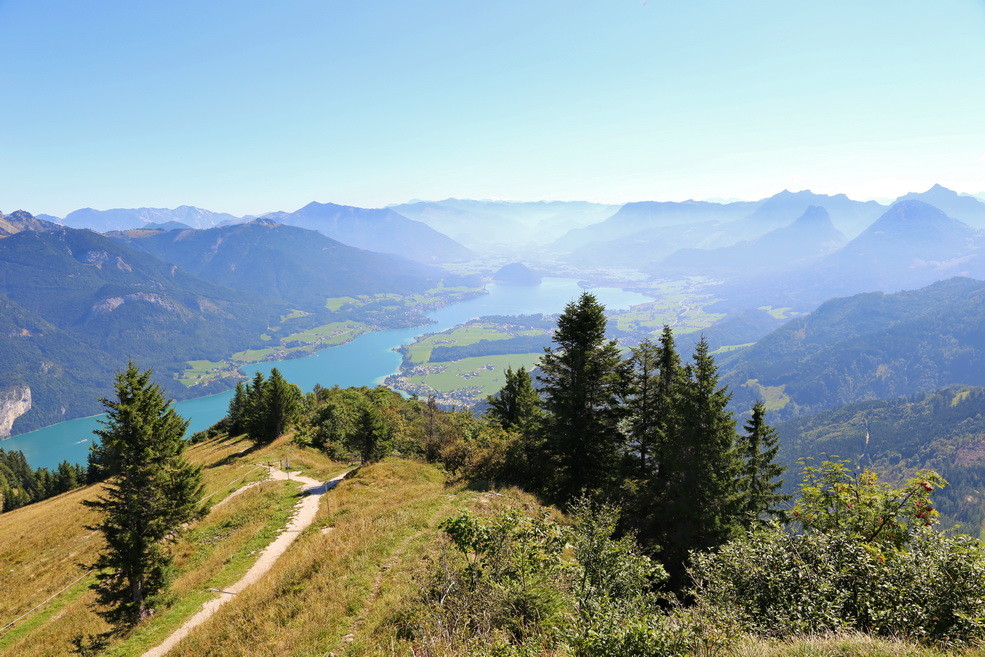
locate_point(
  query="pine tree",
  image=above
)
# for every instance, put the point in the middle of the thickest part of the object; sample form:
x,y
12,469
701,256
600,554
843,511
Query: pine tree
x,y
283,402
151,492
66,478
583,377
237,410
516,405
254,415
761,473
642,406
699,508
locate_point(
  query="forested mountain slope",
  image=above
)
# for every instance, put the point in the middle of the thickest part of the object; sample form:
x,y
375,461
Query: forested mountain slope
x,y
868,346
294,265
75,305
380,230
942,430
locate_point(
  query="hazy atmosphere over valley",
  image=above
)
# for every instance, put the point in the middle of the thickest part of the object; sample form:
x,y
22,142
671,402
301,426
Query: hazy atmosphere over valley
x,y
520,328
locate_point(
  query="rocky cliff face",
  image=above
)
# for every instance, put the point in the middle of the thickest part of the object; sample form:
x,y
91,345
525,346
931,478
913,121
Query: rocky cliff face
x,y
14,402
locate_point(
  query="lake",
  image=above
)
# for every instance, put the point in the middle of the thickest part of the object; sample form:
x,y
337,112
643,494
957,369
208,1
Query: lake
x,y
367,360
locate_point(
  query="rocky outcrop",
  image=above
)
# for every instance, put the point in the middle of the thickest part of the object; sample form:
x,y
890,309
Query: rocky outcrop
x,y
14,402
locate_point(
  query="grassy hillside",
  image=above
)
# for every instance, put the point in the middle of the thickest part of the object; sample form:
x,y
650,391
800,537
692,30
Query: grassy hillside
x,y
334,590
343,588
42,545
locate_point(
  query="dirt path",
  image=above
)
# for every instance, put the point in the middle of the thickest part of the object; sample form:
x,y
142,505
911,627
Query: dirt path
x,y
304,514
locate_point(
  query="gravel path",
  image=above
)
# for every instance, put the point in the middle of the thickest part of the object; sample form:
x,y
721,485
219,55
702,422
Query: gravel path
x,y
304,514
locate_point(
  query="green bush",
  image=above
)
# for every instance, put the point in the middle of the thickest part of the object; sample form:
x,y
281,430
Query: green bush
x,y
864,557
512,585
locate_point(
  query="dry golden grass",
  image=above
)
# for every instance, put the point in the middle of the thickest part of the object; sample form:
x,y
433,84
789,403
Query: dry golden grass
x,y
42,545
337,591
843,645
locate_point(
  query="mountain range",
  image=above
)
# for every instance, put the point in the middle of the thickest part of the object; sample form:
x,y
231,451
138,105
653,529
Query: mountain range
x,y
911,245
283,263
124,218
642,233
76,305
20,220
381,230
865,347
504,225
810,236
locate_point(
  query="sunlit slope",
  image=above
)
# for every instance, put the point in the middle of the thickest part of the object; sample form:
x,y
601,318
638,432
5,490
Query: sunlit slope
x,y
42,547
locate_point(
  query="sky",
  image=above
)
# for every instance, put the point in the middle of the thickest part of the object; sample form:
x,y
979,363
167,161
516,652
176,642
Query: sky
x,y
249,106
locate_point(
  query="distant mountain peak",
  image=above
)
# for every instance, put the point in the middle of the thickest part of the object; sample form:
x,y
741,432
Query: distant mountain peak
x,y
814,214
911,211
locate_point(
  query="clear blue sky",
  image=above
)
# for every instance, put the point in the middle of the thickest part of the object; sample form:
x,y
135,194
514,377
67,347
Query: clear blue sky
x,y
250,106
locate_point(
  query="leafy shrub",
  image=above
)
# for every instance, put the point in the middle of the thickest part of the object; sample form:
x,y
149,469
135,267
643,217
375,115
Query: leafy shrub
x,y
865,558
514,585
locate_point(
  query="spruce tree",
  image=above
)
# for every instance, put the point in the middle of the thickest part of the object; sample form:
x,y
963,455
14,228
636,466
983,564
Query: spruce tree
x,y
761,473
151,492
642,406
703,502
254,416
516,405
237,410
583,378
283,403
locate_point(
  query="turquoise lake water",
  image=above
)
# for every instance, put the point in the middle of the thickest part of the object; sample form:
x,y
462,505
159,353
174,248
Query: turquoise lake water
x,y
367,360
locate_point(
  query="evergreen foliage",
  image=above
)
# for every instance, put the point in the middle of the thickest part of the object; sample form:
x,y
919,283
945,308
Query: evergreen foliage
x,y
582,382
264,408
643,406
761,473
20,485
691,500
237,407
150,493
650,432
516,405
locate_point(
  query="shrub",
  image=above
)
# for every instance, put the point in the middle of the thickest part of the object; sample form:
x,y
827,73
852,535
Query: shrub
x,y
864,557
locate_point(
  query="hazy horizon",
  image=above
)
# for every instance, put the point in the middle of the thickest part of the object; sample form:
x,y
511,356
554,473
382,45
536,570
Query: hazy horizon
x,y
245,106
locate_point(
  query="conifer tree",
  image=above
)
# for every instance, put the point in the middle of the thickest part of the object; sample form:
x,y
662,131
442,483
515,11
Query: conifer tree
x,y
254,416
649,511
761,473
516,405
583,377
643,408
369,433
237,410
283,402
151,492
702,505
